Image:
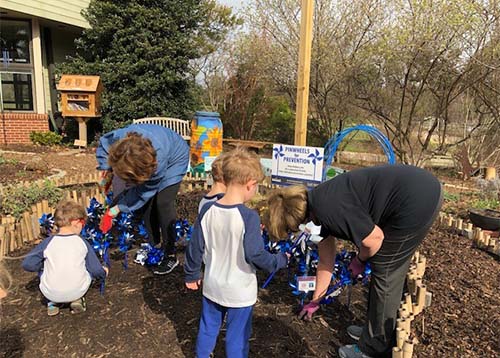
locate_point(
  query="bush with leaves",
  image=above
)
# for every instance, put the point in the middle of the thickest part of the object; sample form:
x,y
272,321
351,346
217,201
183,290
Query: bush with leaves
x,y
143,50
45,138
489,192
17,199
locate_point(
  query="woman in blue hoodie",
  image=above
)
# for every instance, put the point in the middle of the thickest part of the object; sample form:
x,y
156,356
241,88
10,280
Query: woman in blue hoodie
x,y
151,160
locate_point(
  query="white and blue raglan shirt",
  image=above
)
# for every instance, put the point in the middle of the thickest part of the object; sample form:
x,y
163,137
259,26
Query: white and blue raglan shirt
x,y
227,239
67,263
208,199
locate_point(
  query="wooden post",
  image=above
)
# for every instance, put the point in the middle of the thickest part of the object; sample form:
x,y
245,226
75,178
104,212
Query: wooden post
x,y
407,349
3,242
421,292
416,257
82,132
401,336
421,266
408,303
397,352
306,25
491,173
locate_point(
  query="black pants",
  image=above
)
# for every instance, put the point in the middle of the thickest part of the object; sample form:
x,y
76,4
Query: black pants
x,y
389,268
160,215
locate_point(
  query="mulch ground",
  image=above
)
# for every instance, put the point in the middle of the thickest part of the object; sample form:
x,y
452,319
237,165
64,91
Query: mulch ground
x,y
144,315
20,163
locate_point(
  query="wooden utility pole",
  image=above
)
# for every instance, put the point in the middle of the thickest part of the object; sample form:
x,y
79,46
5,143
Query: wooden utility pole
x,y
306,25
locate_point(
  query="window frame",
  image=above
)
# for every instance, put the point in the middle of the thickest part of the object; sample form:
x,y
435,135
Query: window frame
x,y
20,68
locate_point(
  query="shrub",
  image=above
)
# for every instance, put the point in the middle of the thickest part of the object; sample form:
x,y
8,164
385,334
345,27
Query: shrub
x,y
18,199
45,138
489,194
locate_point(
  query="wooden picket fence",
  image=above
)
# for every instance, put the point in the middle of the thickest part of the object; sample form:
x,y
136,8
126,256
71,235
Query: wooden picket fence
x,y
480,238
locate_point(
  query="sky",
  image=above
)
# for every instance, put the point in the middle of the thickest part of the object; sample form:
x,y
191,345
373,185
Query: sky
x,y
235,4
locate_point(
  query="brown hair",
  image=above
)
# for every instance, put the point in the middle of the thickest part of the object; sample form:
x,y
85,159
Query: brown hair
x,y
217,173
133,158
67,211
287,210
240,166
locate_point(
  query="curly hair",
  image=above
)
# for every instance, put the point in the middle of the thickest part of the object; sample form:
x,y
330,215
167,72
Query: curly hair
x,y
133,158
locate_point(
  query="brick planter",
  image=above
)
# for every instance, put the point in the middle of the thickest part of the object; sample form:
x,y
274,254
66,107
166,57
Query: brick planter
x,y
16,127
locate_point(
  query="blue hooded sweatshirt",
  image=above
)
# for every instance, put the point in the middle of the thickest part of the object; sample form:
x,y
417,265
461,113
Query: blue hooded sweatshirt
x,y
172,155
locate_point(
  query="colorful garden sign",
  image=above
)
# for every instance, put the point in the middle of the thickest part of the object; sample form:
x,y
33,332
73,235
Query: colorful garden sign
x,y
293,164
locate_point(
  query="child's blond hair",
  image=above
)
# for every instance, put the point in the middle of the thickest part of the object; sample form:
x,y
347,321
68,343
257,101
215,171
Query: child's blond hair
x,y
287,210
217,174
133,158
240,166
67,211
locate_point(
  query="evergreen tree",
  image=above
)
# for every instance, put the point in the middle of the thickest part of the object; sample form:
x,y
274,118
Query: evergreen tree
x,y
142,49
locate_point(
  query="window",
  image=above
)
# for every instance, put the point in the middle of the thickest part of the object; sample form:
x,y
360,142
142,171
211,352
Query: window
x,y
16,66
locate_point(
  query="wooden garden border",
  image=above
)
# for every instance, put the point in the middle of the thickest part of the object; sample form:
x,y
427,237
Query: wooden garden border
x,y
480,238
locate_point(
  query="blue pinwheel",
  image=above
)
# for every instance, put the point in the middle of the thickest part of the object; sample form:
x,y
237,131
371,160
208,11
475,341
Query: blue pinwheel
x,y
315,158
278,152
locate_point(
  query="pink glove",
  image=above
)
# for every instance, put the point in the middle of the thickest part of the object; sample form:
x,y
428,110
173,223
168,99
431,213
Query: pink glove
x,y
357,267
308,310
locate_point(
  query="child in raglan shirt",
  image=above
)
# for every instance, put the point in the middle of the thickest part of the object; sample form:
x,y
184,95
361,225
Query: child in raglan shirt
x,y
66,261
227,240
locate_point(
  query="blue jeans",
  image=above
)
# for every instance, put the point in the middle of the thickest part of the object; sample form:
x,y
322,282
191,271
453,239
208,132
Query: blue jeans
x,y
239,329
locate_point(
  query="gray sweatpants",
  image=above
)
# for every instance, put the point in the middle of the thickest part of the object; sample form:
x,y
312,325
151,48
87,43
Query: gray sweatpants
x,y
389,268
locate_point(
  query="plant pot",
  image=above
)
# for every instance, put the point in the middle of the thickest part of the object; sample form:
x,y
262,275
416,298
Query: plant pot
x,y
486,219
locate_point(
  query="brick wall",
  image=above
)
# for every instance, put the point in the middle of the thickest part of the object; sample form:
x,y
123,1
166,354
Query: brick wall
x,y
16,127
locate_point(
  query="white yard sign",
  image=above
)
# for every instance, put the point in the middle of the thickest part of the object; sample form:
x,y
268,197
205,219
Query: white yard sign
x,y
292,164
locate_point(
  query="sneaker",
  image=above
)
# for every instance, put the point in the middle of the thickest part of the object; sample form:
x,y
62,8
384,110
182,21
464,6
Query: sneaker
x,y
52,309
351,351
78,306
355,332
166,265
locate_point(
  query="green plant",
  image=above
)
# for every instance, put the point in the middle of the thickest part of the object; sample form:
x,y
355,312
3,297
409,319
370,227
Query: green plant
x,y
45,138
489,194
18,199
493,204
8,161
451,197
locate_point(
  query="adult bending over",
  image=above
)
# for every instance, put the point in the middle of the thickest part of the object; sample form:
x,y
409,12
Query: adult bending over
x,y
386,212
151,160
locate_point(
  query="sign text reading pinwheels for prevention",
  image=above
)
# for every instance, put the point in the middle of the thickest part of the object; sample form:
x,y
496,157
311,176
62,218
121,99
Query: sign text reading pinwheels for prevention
x,y
296,164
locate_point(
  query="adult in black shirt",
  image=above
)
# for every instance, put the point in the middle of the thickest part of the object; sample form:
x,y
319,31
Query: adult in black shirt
x,y
386,211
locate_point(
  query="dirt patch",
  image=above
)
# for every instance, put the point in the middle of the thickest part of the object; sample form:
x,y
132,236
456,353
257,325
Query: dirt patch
x,y
29,163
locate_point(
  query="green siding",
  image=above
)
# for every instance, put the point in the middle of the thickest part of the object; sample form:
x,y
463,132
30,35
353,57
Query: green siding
x,y
67,12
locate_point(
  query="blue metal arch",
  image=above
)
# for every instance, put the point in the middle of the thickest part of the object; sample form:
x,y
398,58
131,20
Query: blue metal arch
x,y
333,143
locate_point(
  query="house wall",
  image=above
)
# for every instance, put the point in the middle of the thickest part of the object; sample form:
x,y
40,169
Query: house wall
x,y
15,127
66,12
65,22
